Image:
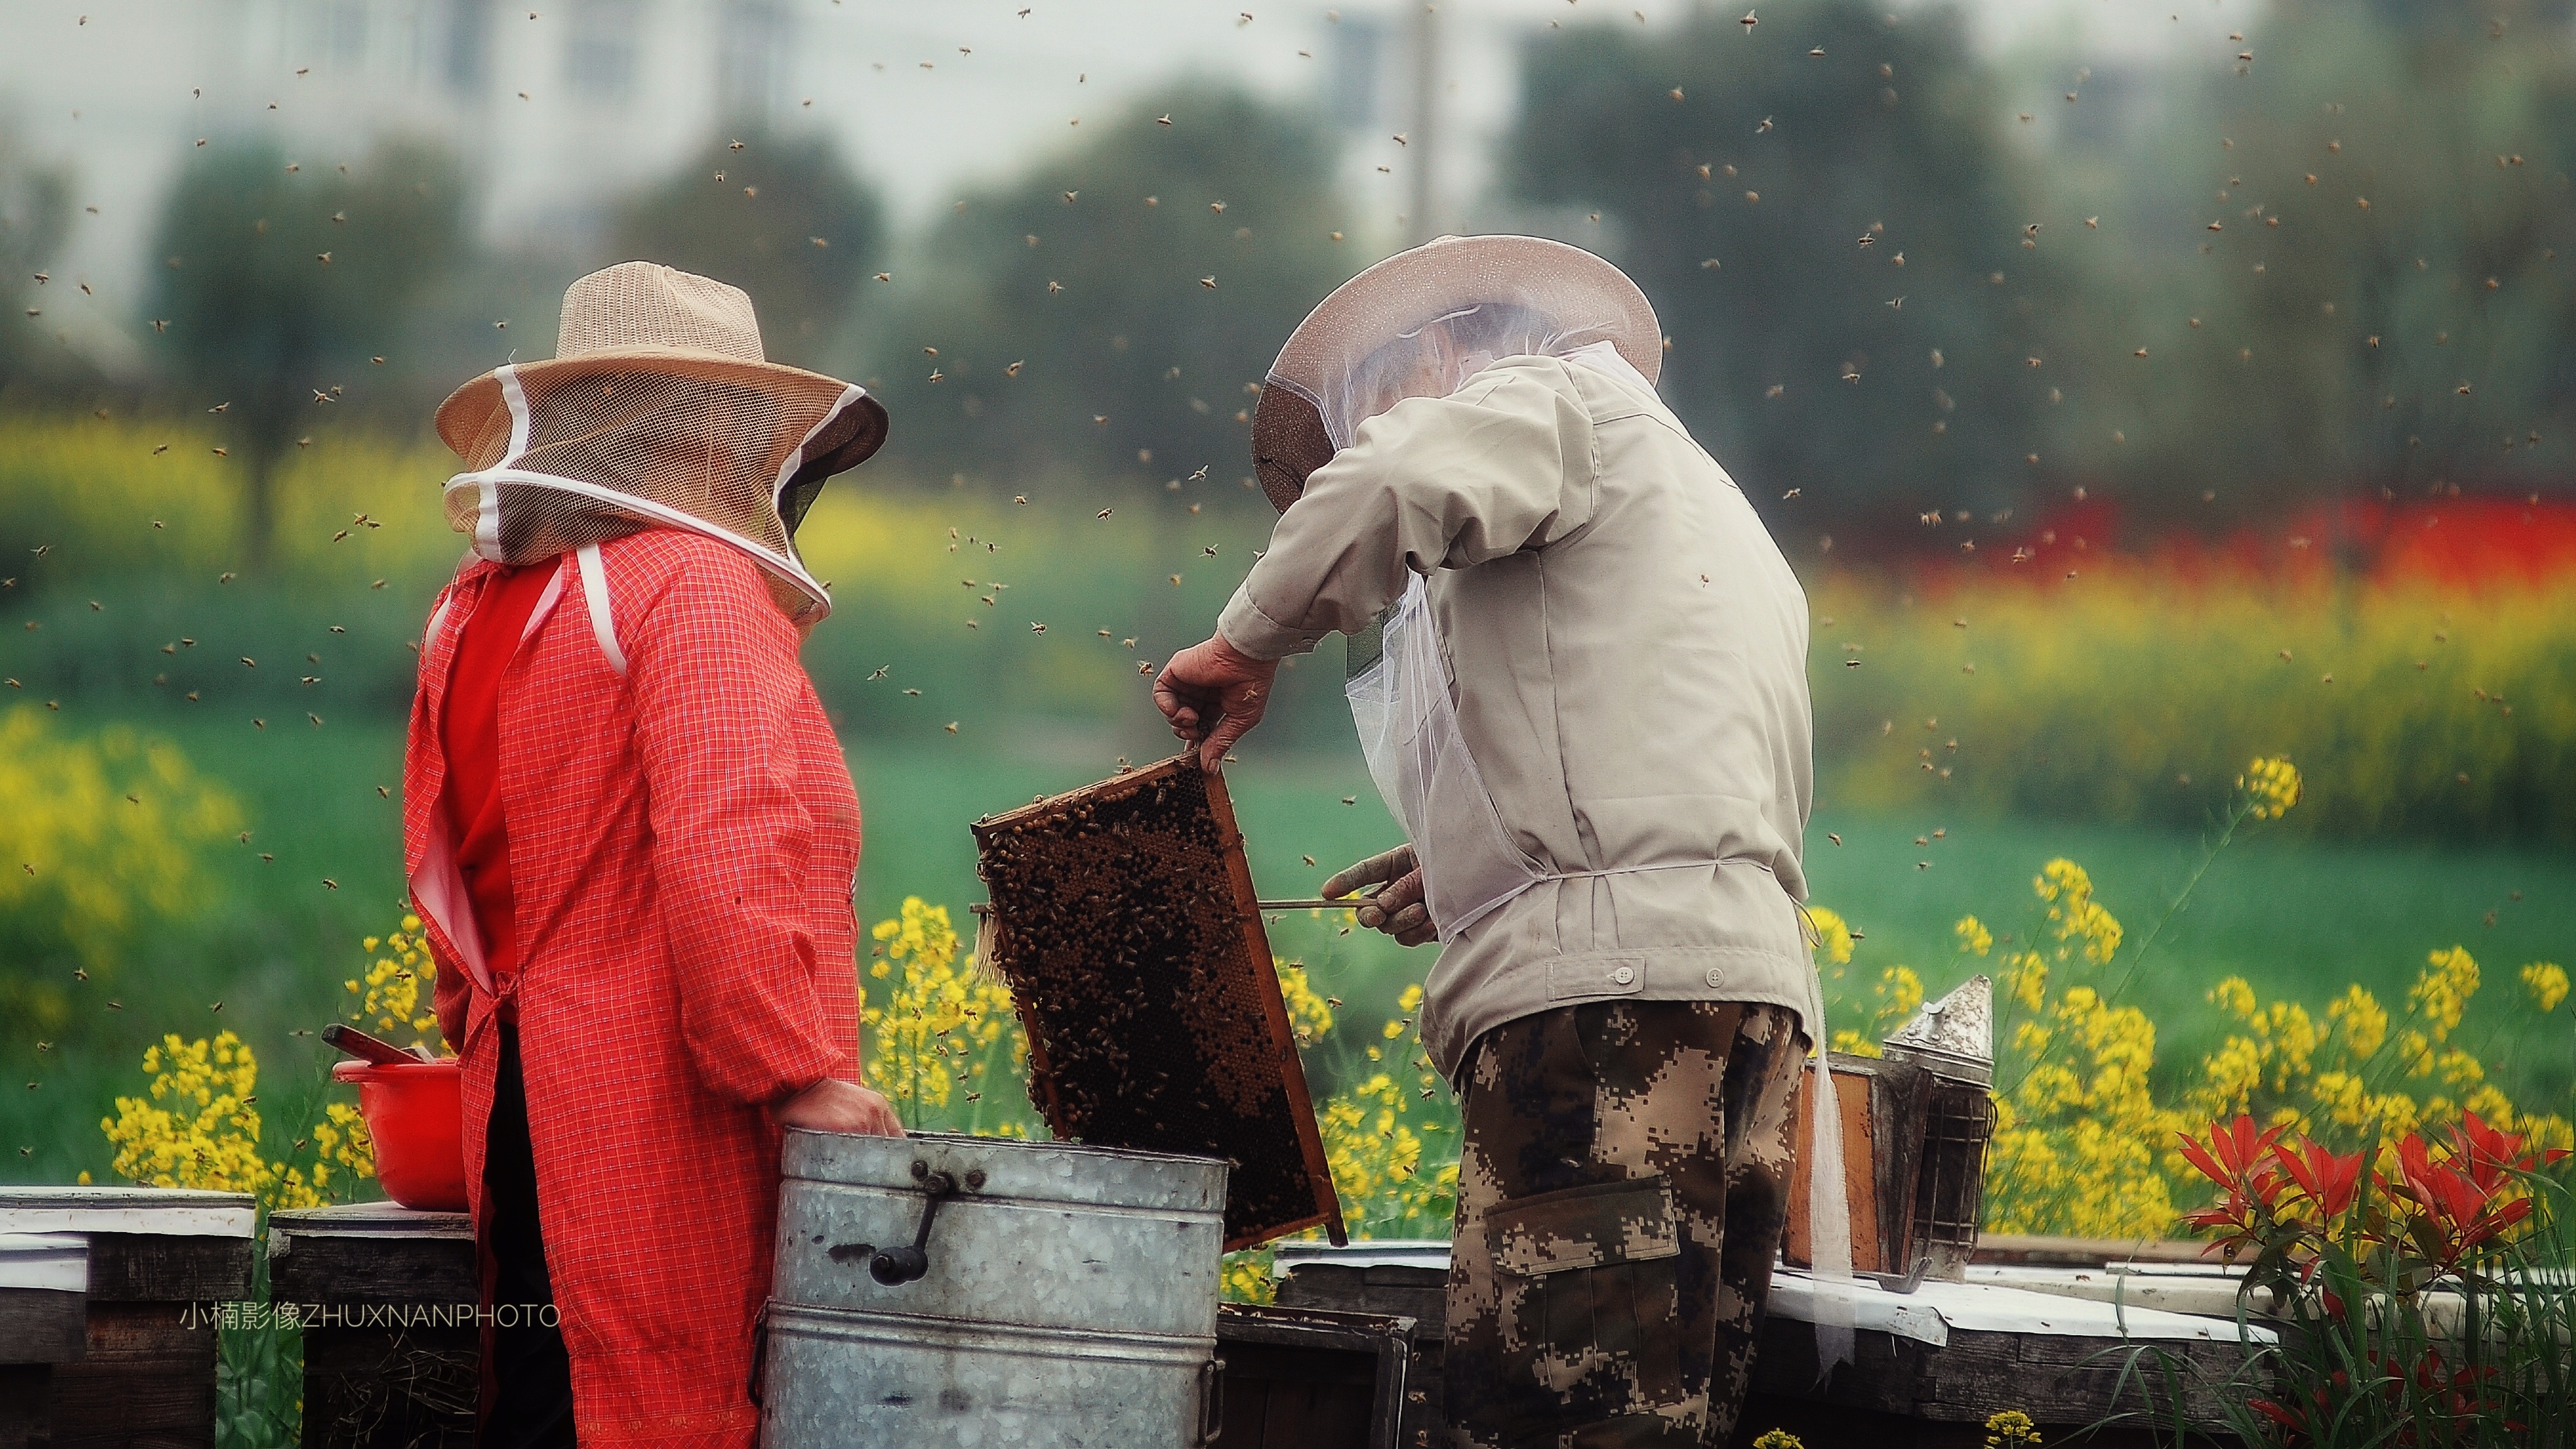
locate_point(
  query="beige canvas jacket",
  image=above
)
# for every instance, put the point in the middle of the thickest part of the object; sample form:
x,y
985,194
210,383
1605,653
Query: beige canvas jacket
x,y
1627,651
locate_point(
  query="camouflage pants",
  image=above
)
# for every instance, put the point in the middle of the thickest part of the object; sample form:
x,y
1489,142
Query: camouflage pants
x,y
1622,1187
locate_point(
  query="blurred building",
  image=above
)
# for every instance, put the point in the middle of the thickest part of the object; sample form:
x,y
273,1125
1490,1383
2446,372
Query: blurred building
x,y
558,106
554,111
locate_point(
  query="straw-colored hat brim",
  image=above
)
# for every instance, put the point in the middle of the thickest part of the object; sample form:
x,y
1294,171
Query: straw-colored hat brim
x,y
1412,287
850,439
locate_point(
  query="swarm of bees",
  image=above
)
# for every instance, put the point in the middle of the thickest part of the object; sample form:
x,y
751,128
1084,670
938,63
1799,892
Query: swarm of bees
x,y
2272,188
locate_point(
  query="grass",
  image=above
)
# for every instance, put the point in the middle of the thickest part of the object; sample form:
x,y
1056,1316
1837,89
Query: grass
x,y
272,945
2296,916
2293,915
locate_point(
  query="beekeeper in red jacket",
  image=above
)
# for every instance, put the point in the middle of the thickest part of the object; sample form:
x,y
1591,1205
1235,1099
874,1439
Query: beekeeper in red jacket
x,y
632,837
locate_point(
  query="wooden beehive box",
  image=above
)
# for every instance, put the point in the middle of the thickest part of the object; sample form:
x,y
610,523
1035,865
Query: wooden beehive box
x,y
1882,1105
392,1355
1124,920
1313,1378
159,1261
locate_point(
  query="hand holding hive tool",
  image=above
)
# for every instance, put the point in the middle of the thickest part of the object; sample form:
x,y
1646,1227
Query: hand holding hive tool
x,y
1124,919
1331,900
1387,871
1395,907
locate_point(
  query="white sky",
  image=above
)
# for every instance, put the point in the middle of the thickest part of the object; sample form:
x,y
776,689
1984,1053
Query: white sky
x,y
123,87
981,116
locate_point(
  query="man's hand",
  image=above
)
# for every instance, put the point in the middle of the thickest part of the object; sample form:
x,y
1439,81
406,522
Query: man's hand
x,y
1398,910
833,1105
1212,693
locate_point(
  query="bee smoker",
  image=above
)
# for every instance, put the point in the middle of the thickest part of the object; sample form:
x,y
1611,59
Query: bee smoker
x,y
1953,1039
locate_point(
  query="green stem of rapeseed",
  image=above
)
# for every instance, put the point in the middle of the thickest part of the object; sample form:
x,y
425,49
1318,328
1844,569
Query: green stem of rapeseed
x,y
2239,811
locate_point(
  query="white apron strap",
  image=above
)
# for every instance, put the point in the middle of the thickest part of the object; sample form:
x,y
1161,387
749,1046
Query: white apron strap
x,y
1828,1203
594,592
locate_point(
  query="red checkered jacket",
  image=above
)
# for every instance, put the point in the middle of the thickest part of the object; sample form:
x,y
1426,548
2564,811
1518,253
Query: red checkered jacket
x,y
683,836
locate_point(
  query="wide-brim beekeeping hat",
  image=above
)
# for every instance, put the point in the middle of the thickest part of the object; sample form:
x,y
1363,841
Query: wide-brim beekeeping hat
x,y
1329,377
658,409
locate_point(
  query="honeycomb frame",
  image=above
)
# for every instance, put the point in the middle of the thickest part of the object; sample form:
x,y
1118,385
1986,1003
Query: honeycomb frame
x,y
1124,921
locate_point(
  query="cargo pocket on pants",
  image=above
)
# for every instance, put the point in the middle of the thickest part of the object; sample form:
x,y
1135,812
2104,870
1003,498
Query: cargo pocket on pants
x,y
1592,1269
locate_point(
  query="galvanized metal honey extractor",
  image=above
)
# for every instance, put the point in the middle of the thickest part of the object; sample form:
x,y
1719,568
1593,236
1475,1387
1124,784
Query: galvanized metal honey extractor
x,y
939,1291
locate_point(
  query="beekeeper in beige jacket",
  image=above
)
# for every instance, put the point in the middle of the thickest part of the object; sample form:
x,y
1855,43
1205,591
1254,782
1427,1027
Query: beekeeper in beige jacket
x,y
1579,674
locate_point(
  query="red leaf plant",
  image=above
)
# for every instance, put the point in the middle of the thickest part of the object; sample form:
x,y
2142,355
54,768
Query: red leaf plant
x,y
2494,1157
2240,1160
2447,1212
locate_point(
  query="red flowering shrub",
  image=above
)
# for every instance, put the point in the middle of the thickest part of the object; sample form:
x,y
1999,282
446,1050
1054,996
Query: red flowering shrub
x,y
2424,1286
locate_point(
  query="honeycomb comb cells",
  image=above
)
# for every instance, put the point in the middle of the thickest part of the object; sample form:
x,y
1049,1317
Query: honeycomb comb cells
x,y
1125,922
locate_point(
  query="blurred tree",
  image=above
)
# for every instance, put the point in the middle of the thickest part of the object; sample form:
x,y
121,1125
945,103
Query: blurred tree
x,y
2381,255
35,211
1105,312
1819,207
779,216
280,283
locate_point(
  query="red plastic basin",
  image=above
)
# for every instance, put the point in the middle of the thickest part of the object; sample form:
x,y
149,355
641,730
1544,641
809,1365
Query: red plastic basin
x,y
416,1114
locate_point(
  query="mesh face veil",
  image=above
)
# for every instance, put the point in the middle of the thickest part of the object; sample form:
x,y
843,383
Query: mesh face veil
x,y
1422,322
659,412
1436,357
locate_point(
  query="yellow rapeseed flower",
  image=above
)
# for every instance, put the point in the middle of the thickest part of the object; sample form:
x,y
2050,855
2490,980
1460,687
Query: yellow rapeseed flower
x,y
2025,979
395,994
2547,983
2441,993
2459,1069
1310,1016
1387,1184
2235,996
2077,918
943,1023
2009,1428
2363,1020
1247,1278
2271,787
2281,1068
211,1140
1833,941
2415,1050
2075,1150
1973,936
107,828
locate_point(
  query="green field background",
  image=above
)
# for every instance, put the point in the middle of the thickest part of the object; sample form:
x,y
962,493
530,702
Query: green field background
x,y
2102,722
2294,916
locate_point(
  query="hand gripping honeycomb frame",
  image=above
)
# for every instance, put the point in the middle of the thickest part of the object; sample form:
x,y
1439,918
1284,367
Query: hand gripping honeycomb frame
x,y
1125,923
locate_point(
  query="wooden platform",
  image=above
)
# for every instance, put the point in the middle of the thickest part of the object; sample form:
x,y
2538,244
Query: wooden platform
x,y
373,1282
1321,1369
1928,1369
1955,1353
